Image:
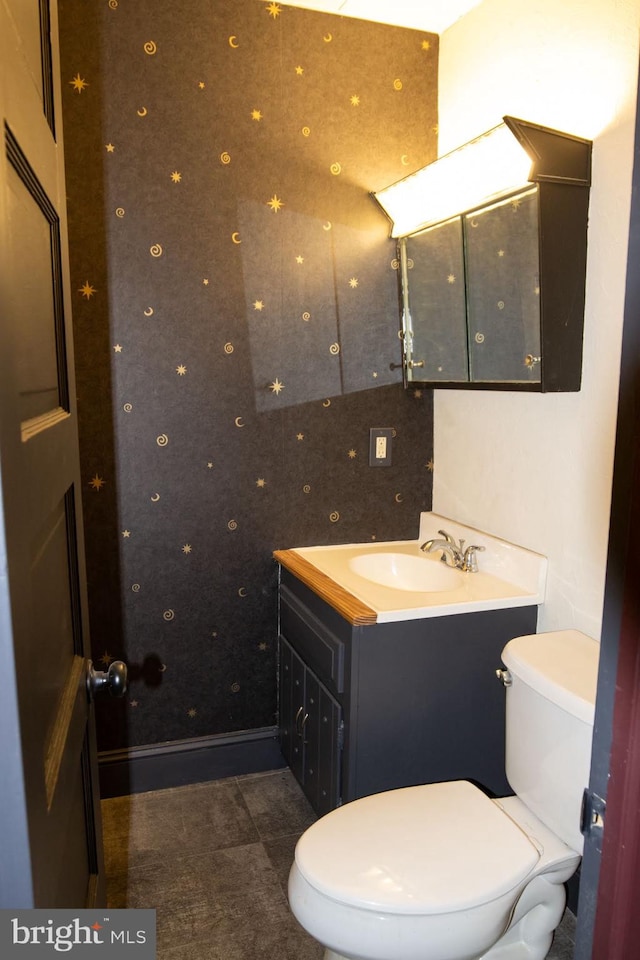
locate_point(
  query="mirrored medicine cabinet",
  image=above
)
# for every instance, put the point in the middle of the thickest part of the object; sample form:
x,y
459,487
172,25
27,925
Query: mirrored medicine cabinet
x,y
492,296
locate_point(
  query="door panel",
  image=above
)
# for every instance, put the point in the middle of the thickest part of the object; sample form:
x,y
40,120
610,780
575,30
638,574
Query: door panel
x,y
34,240
50,835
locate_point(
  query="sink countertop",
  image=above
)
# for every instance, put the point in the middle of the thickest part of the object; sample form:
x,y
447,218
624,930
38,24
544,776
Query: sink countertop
x,y
508,576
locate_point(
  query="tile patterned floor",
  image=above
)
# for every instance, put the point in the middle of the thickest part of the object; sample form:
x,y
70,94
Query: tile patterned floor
x,y
213,859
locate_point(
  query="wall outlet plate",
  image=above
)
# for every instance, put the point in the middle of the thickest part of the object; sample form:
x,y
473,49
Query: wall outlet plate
x,y
380,446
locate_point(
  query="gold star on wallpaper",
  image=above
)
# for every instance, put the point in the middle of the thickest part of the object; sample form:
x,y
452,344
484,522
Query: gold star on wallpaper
x,y
430,465
109,147
192,712
299,71
117,348
87,290
181,370
206,282
126,534
501,253
275,203
97,483
300,436
260,482
299,259
451,278
426,45
210,465
78,83
276,386
186,548
176,177
134,703
258,304
263,646
417,393
355,100
274,10
353,282
201,84
352,454
256,115
106,658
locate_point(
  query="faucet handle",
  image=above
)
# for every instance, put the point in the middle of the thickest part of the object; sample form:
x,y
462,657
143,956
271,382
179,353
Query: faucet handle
x,y
458,544
470,561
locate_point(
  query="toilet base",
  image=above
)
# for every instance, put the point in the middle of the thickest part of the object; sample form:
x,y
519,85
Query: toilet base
x,y
535,918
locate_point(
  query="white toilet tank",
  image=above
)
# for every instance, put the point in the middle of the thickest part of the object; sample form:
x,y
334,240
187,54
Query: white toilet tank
x,y
549,725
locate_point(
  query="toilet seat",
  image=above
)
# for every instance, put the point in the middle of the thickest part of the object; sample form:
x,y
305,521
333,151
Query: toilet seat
x,y
431,849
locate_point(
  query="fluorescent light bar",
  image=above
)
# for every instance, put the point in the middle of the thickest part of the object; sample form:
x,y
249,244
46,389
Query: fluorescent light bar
x,y
483,169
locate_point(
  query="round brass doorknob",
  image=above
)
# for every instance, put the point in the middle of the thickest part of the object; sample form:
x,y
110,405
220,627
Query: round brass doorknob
x,y
114,681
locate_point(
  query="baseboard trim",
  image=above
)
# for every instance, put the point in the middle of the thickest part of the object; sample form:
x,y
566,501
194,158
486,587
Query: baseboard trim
x,y
178,762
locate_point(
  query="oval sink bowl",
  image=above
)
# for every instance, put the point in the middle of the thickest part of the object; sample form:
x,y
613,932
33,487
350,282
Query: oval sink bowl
x,y
403,572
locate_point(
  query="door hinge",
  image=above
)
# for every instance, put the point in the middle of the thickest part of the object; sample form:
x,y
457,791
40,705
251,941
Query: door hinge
x,y
341,735
592,814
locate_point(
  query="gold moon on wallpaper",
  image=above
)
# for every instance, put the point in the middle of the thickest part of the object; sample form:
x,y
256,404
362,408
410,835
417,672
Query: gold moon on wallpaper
x,y
404,160
327,225
148,312
326,403
155,497
474,222
327,38
233,41
399,498
142,112
242,592
235,236
238,423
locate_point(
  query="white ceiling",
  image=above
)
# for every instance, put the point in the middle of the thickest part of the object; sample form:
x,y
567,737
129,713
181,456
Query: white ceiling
x,y
433,16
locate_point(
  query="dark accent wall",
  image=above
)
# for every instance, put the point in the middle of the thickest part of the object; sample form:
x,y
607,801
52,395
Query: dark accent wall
x,y
236,328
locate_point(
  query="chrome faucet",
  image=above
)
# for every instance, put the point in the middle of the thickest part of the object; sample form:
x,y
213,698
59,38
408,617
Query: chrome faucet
x,y
454,554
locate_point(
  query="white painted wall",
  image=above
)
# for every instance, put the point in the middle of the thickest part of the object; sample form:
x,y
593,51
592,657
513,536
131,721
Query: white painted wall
x,y
536,469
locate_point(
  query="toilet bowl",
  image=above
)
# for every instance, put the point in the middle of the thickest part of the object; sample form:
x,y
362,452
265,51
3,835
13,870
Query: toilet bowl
x,y
443,872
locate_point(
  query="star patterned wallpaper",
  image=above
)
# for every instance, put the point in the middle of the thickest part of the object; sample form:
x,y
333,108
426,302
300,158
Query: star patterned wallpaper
x,y
236,328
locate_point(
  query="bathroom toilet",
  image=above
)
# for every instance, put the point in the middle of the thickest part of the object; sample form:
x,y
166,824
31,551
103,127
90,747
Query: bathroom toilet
x,y
443,872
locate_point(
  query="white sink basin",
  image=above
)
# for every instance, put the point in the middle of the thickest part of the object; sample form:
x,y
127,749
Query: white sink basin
x,y
398,581
403,572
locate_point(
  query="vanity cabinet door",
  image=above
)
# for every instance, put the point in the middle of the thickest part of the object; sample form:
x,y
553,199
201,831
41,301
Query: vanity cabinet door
x,y
310,723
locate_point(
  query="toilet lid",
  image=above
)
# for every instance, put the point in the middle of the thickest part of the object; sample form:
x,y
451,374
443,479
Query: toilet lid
x,y
435,848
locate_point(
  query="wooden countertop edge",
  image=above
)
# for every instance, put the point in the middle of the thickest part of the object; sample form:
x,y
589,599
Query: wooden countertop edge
x,y
353,610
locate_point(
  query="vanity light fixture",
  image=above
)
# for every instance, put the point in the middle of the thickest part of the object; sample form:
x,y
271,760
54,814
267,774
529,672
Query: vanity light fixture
x,y
492,165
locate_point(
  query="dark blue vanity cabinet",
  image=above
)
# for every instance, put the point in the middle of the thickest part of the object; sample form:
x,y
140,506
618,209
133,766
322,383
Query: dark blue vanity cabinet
x,y
384,705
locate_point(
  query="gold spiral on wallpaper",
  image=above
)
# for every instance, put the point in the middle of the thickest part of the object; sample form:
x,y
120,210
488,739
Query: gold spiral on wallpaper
x,y
334,517
306,488
306,316
336,169
168,614
225,157
306,131
228,347
113,4
162,440
155,250
120,212
150,47
232,525
127,407
397,84
334,349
